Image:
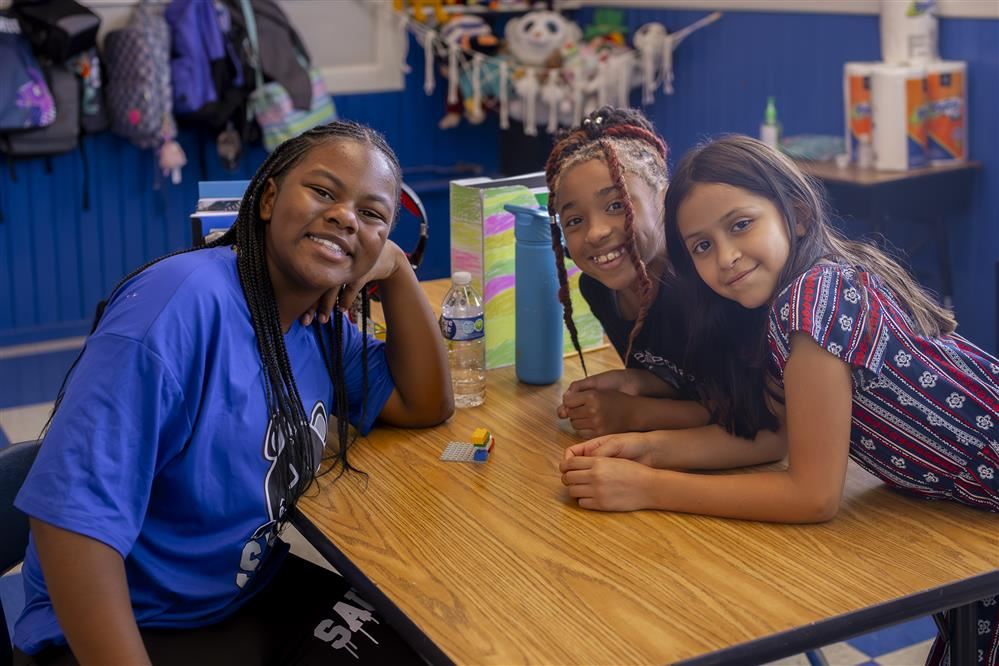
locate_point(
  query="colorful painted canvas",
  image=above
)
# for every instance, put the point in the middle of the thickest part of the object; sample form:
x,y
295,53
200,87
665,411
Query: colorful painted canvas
x,y
482,243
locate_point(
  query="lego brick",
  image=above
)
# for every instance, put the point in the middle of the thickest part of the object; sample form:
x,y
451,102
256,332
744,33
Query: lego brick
x,y
461,452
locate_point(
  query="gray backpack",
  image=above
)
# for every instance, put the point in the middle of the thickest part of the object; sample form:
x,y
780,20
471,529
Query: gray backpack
x,y
137,58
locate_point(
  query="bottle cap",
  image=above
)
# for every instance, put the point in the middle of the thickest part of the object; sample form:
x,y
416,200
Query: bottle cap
x,y
770,115
530,224
462,278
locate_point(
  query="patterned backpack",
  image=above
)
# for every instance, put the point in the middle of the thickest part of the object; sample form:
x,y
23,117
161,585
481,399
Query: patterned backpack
x,y
25,98
137,58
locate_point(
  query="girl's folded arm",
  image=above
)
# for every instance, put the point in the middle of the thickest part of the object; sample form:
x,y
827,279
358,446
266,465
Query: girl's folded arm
x,y
89,592
818,394
648,413
415,352
647,383
711,447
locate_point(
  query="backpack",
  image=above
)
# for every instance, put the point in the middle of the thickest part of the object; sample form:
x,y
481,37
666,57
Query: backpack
x,y
64,132
209,78
273,105
280,50
25,99
138,91
58,29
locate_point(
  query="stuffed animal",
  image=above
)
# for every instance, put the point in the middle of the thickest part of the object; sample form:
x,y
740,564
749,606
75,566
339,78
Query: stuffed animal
x,y
472,37
419,11
656,46
536,37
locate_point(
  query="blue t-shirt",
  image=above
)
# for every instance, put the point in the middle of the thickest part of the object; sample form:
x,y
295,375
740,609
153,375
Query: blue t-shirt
x,y
162,448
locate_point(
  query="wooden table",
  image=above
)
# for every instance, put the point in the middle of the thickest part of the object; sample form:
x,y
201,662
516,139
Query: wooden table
x,y
494,564
930,195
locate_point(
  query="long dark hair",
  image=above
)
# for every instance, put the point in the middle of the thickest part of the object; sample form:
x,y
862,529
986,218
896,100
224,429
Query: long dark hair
x,y
284,404
623,139
727,347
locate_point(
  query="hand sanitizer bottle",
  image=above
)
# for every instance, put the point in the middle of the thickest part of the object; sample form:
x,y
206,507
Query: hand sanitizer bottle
x,y
770,128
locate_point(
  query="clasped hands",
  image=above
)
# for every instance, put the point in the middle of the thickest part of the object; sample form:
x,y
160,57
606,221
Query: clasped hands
x,y
601,404
612,471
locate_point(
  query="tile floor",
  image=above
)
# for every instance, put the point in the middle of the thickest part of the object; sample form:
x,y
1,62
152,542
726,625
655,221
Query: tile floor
x,y
31,378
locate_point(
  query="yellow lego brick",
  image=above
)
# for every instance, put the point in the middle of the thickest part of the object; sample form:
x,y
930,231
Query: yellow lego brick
x,y
480,436
487,445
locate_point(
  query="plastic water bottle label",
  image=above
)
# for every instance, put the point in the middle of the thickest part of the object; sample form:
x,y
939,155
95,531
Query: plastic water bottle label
x,y
463,328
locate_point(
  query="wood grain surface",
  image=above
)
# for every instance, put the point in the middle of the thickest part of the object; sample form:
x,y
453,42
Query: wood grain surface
x,y
497,565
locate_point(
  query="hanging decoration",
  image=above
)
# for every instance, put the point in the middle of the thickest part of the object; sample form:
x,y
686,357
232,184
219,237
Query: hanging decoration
x,y
547,71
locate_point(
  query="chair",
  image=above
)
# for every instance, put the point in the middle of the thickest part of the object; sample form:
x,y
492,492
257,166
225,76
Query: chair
x,y
15,461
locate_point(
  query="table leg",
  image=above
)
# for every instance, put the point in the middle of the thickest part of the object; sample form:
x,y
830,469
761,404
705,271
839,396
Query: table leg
x,y
963,629
816,658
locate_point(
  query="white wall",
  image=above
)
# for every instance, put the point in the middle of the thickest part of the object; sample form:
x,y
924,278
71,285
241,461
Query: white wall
x,y
945,8
355,43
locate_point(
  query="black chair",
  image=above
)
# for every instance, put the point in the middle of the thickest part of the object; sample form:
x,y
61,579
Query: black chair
x,y
15,461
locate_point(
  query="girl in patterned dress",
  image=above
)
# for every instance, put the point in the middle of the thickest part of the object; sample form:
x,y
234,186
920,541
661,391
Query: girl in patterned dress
x,y
828,342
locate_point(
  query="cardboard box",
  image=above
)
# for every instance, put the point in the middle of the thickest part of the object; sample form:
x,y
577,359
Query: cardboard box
x,y
482,243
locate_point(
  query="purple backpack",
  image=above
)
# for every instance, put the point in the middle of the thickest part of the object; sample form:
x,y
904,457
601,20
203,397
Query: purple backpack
x,y
25,99
208,75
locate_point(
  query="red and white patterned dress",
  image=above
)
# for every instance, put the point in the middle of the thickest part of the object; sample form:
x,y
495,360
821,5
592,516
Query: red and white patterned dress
x,y
925,410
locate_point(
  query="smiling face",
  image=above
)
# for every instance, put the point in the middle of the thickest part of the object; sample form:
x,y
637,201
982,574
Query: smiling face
x,y
328,217
737,240
591,212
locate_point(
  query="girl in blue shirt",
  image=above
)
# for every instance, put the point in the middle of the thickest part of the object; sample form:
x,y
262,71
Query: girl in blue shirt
x,y
198,413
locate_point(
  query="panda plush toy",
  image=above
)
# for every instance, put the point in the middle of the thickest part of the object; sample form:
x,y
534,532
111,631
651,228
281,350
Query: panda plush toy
x,y
536,38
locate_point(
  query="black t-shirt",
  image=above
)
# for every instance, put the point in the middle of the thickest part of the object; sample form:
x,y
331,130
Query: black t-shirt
x,y
659,344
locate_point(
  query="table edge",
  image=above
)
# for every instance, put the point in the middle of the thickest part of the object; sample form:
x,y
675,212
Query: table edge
x,y
370,592
841,627
896,178
768,648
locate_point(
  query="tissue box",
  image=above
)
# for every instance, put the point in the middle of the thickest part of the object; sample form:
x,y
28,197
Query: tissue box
x,y
482,243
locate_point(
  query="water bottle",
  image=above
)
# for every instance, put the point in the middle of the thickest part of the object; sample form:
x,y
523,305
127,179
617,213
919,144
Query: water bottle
x,y
538,331
463,326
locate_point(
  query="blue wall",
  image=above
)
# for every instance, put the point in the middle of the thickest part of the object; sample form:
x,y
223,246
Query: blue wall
x,y
725,71
57,261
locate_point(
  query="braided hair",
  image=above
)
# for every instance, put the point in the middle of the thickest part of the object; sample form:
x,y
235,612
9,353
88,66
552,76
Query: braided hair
x,y
247,237
625,141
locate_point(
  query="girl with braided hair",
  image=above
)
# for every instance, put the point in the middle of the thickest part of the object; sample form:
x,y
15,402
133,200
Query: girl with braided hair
x,y
607,179
197,414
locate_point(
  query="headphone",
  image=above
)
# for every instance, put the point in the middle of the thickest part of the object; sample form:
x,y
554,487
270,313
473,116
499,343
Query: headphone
x,y
409,201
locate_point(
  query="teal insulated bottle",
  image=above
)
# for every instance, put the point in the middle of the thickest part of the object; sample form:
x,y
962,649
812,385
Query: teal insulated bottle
x,y
538,329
